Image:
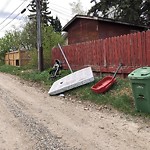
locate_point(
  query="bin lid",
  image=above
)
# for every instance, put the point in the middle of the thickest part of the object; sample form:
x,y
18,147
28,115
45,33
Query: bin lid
x,y
140,73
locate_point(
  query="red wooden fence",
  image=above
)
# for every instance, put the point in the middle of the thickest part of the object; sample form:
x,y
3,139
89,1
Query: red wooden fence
x,y
133,50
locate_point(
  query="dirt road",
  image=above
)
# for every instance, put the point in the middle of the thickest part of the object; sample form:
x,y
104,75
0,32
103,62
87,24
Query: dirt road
x,y
30,119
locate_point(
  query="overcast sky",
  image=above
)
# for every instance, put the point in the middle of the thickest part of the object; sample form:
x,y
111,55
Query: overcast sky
x,y
10,12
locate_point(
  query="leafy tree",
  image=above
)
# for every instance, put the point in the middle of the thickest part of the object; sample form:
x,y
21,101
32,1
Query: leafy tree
x,y
3,49
133,11
45,13
50,39
15,39
29,36
9,42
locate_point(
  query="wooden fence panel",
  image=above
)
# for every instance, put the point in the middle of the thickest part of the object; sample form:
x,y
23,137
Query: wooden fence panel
x,y
148,47
133,50
139,49
128,49
143,40
97,54
110,52
100,53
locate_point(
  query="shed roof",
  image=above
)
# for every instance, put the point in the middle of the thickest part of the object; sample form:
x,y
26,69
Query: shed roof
x,y
66,27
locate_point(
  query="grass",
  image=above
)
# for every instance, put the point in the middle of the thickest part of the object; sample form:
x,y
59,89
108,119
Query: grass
x,y
32,75
119,96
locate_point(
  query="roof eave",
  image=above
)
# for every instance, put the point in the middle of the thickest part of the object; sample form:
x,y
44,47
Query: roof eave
x,y
65,28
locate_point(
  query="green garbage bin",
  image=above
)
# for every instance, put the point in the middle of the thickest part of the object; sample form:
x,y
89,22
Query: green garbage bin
x,y
140,82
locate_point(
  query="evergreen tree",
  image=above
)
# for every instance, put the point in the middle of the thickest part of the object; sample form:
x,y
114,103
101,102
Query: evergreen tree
x,y
45,15
132,11
56,24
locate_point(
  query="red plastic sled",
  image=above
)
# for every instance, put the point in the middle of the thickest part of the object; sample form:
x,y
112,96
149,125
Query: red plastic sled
x,y
103,85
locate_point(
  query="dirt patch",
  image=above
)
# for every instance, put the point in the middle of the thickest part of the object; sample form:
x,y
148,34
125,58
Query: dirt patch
x,y
31,119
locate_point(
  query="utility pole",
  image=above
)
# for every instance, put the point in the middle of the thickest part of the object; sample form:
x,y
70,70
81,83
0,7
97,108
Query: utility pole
x,y
39,40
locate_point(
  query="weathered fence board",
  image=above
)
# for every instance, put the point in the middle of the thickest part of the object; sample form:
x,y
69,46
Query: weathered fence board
x,y
133,50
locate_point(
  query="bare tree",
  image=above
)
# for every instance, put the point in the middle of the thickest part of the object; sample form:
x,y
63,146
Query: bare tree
x,y
77,8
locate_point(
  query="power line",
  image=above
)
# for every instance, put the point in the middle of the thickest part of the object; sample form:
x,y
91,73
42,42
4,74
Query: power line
x,y
61,12
10,22
15,16
12,13
62,8
64,17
